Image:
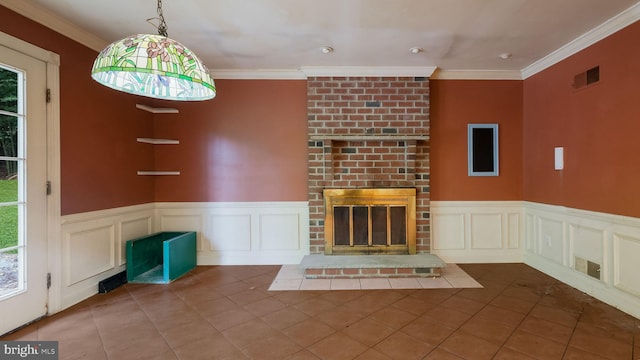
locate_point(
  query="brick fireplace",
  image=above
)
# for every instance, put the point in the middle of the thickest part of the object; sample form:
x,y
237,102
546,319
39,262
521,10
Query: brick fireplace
x,y
365,133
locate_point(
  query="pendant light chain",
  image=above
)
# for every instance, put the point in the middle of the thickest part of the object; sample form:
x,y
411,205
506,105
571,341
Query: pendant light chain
x,y
162,27
154,66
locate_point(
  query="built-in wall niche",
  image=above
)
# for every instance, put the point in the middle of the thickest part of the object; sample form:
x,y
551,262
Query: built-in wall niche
x,y
482,149
155,141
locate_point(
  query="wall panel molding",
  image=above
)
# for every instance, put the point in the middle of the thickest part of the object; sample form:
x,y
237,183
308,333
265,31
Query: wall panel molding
x,y
92,248
477,231
561,242
248,233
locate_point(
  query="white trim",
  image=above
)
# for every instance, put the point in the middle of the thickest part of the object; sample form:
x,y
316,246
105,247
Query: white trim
x,y
55,23
261,74
477,75
425,71
105,213
54,176
29,49
589,38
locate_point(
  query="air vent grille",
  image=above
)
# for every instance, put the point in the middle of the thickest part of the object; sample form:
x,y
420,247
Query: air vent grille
x,y
585,78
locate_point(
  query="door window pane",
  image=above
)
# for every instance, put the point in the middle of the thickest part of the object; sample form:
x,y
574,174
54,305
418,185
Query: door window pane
x,y
8,90
8,136
9,250
10,264
8,181
11,193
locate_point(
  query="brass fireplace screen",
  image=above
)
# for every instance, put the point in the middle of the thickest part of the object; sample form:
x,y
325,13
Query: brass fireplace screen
x,y
370,221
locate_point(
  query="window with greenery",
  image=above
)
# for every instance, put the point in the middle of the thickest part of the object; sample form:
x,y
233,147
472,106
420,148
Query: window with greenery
x,y
9,186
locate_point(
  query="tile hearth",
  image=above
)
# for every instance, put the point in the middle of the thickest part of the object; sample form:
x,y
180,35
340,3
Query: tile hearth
x,y
371,266
292,277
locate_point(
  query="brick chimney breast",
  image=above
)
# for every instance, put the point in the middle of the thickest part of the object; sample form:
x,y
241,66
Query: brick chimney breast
x,y
368,132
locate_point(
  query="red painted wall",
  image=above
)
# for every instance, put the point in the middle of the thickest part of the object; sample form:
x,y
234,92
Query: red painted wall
x,y
455,104
99,126
247,144
598,127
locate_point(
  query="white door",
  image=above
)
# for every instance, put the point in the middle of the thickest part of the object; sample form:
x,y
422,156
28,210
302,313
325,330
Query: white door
x,y
23,199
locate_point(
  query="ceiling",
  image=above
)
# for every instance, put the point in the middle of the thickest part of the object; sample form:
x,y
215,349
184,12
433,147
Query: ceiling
x,y
287,35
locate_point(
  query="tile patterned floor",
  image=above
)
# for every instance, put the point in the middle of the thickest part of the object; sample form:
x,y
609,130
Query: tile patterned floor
x,y
227,312
291,277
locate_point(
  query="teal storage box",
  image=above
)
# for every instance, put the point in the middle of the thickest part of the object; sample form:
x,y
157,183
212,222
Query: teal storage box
x,y
160,258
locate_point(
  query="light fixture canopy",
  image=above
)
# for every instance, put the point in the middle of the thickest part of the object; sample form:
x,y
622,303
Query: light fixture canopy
x,y
154,66
326,49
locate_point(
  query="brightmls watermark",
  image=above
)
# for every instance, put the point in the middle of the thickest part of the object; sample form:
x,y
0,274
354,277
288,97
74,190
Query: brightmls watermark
x,y
31,350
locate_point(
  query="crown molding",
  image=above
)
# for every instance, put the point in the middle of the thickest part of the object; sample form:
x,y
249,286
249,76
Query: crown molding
x,y
55,23
618,22
425,71
262,74
477,75
589,38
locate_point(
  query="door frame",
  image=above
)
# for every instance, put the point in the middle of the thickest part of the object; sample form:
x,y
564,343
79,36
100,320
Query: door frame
x,y
53,230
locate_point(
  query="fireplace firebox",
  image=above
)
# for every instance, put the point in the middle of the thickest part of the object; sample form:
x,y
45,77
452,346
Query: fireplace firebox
x,y
370,221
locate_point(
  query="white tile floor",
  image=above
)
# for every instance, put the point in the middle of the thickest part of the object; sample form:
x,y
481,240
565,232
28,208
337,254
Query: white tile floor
x,y
291,277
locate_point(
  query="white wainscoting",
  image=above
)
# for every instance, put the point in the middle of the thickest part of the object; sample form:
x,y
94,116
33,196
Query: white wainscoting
x,y
93,248
256,233
477,231
251,233
556,236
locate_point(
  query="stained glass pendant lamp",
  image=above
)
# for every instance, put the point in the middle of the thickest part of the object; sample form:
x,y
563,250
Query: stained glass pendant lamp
x,y
154,66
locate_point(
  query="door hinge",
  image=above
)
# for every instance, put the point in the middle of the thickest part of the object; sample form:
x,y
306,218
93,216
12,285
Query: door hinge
x,y
48,96
48,280
48,187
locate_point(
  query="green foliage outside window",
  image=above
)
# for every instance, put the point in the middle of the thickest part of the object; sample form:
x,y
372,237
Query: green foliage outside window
x,y
8,169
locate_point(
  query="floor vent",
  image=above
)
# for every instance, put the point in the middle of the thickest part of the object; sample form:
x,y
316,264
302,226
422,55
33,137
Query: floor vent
x,y
112,282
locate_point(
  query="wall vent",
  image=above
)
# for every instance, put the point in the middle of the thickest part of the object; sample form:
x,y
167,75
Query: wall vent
x,y
585,78
587,267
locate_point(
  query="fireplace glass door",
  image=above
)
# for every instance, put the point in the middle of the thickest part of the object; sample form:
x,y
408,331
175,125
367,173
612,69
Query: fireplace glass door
x,y
370,221
371,225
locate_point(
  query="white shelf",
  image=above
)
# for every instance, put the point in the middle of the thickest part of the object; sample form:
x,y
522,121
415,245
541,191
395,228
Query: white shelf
x,y
157,110
154,173
158,141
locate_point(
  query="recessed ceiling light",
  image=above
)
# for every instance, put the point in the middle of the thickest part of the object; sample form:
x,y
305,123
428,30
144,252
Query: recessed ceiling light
x,y
504,56
326,49
416,50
